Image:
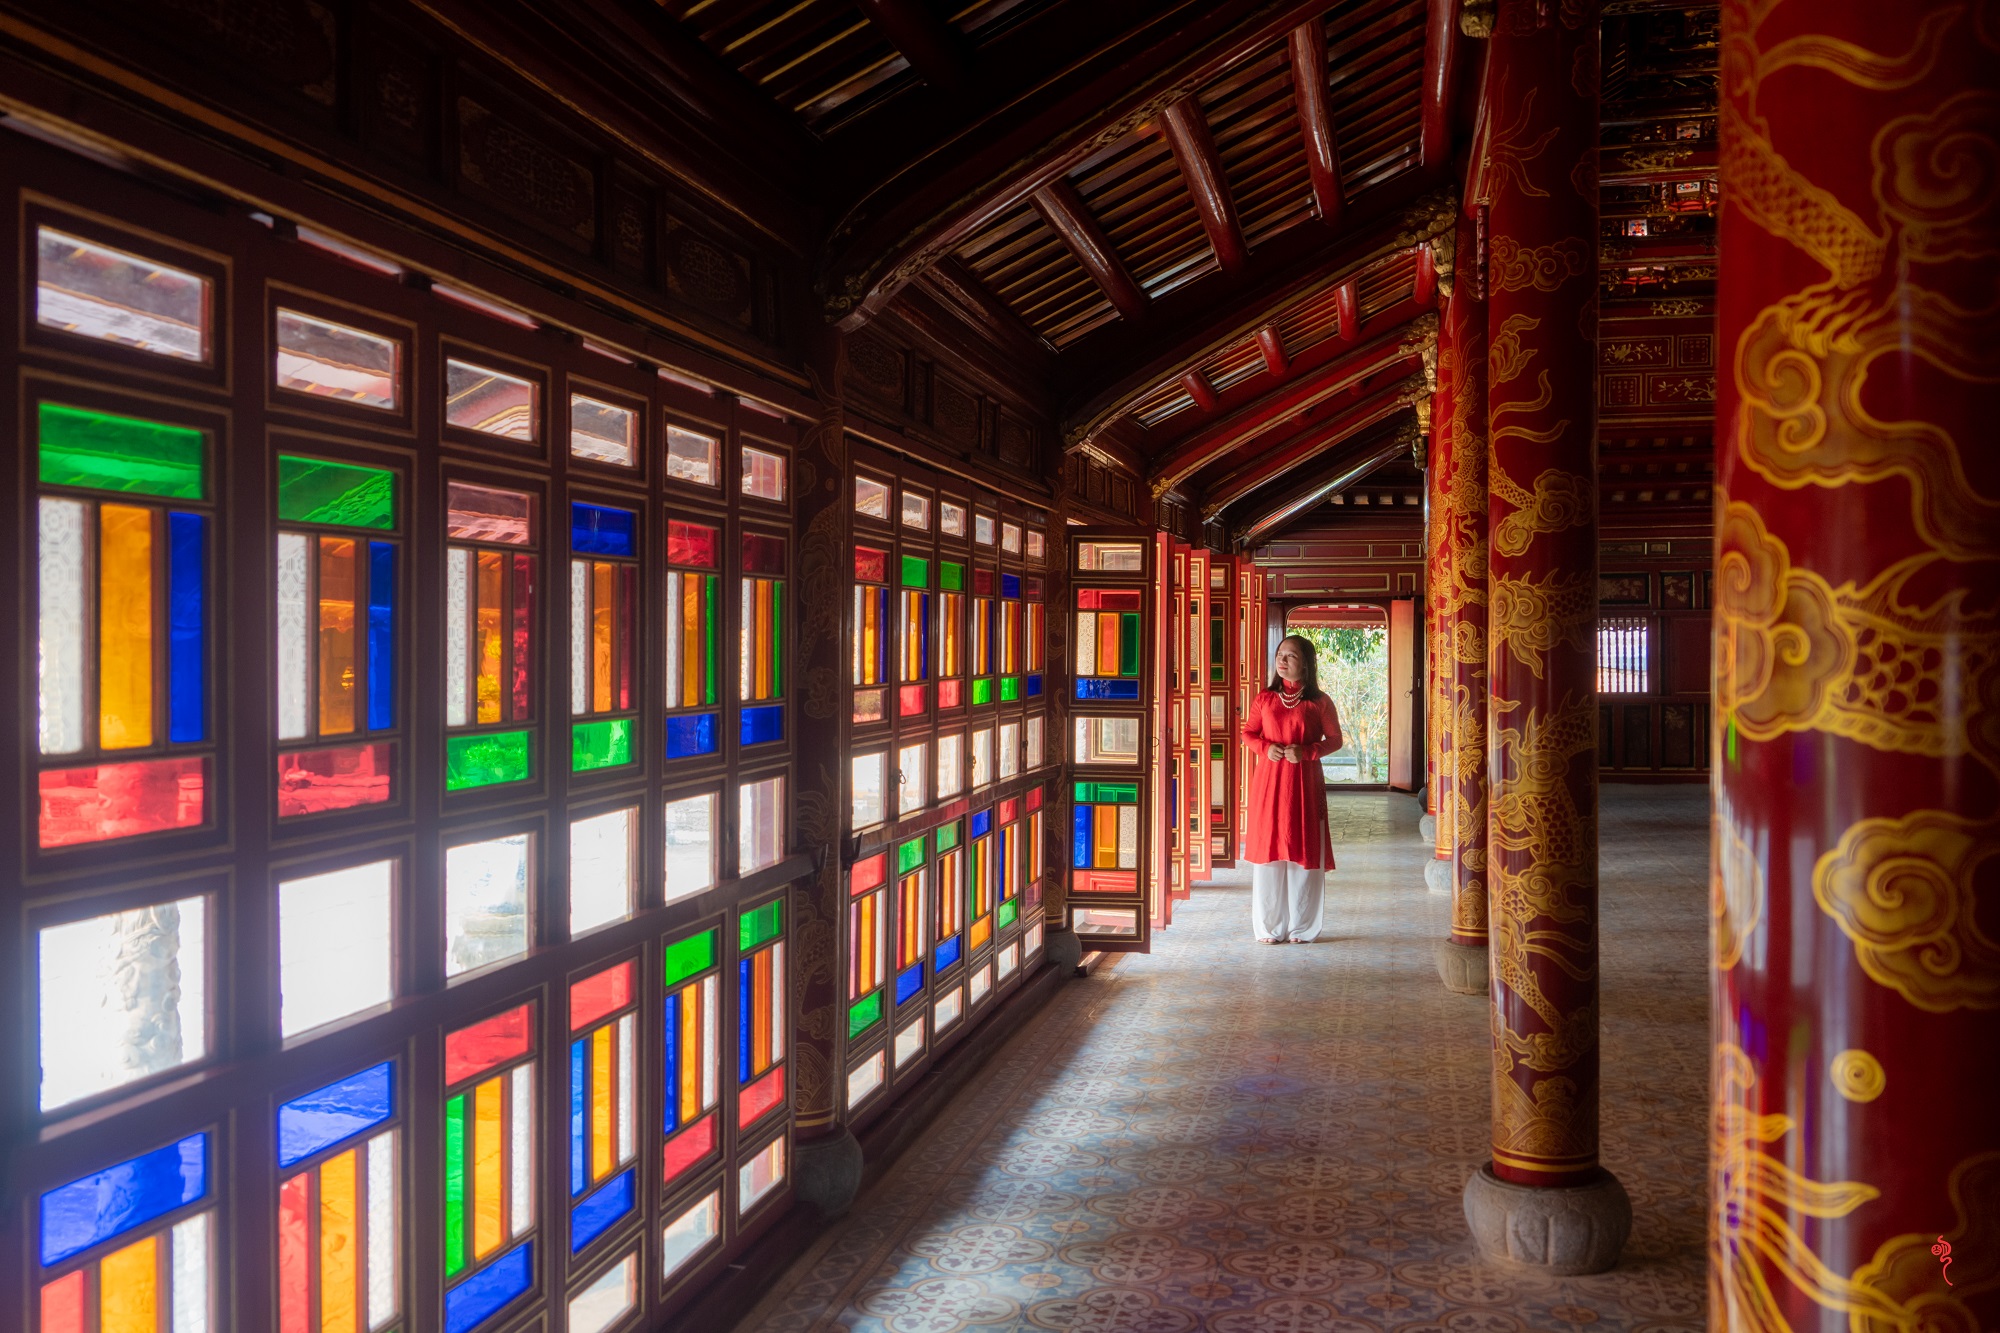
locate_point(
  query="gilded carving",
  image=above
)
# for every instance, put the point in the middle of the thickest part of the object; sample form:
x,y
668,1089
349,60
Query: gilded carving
x,y
1903,890
1857,1075
1513,267
1736,887
1528,619
1559,501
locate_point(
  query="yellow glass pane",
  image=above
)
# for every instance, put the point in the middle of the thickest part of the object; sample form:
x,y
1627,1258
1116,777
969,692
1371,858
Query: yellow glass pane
x,y
488,1165
339,1246
491,576
693,1056
337,577
128,1284
601,1160
691,641
125,627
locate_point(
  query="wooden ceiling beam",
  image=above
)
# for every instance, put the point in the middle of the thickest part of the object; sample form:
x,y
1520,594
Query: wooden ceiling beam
x,y
1201,390
1194,152
1441,40
1352,467
1347,309
1271,464
1069,218
1272,344
1424,291
1307,45
930,44
955,286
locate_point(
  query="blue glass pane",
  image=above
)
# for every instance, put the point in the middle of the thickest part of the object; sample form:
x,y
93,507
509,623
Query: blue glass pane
x,y
947,952
187,627
909,981
381,635
579,1118
1082,830
1010,585
597,530
982,823
490,1290
325,1116
92,1210
1103,687
1035,685
595,1215
690,734
744,1006
763,724
673,1079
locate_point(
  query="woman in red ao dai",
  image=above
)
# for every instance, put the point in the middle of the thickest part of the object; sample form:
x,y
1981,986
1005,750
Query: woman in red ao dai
x,y
1290,725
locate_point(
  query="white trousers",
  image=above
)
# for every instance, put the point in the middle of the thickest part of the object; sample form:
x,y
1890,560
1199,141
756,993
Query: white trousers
x,y
1287,901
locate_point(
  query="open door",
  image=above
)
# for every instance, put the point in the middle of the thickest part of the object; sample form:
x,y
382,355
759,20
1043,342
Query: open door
x,y
1221,712
1116,837
1194,597
1402,693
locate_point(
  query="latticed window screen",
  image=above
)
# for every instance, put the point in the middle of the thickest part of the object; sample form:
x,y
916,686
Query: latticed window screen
x,y
1624,654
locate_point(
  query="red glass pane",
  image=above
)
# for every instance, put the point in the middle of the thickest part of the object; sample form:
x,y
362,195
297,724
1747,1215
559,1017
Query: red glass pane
x,y
1032,586
982,580
868,874
910,700
105,801
295,1255
690,544
524,617
1103,881
1108,599
870,565
763,555
1009,811
690,1146
476,1049
951,693
1035,799
595,996
311,782
760,1097
62,1304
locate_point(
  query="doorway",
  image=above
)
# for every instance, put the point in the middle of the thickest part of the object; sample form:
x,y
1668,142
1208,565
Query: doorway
x,y
1352,643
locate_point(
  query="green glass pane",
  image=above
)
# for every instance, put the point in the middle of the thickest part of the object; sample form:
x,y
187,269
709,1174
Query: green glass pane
x,y
489,758
710,602
111,453
982,690
1009,912
763,924
1128,643
947,837
605,744
909,856
864,1015
314,490
684,958
454,1186
951,576
1010,688
1217,663
1108,793
916,572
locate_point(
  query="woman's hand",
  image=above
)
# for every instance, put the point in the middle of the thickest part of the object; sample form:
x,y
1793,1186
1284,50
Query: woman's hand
x,y
1289,753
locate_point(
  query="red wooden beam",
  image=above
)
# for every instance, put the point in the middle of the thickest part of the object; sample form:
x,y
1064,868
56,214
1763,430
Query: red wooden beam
x,y
1351,467
1217,438
1200,390
1347,305
1201,167
929,43
1440,71
1272,344
1427,275
1063,209
1274,463
951,284
1308,49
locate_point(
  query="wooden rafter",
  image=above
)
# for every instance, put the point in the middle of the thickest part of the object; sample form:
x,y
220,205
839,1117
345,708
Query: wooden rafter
x,y
1272,344
929,43
1201,168
1067,216
952,284
1440,73
1307,44
1350,468
1365,409
1347,310
1200,390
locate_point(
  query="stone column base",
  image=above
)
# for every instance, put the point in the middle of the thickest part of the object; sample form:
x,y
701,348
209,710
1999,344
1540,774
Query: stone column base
x,y
1437,875
1575,1229
1464,968
826,1172
1427,828
1063,950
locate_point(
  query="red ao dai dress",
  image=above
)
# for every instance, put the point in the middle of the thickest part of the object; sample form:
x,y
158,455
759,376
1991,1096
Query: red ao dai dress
x,y
1287,844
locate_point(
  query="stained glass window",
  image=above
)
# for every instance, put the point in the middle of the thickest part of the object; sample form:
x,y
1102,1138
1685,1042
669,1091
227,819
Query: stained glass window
x,y
603,1102
867,936
951,519
950,896
951,633
694,632
981,879
1032,892
916,511
339,1213
912,918
1009,861
983,633
489,1166
489,649
867,777
1107,643
871,498
760,1012
916,634
871,633
603,635
129,1247
761,647
691,1032
912,773
124,551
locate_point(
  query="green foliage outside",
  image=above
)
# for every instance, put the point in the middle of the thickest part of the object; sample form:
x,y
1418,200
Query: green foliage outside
x,y
1354,669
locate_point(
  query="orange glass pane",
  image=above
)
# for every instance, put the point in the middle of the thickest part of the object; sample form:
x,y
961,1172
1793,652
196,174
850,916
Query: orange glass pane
x,y
603,597
338,573
489,634
125,627
128,1289
488,1164
602,1159
339,1246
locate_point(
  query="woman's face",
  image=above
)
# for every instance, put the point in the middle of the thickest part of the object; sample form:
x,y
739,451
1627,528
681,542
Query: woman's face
x,y
1291,663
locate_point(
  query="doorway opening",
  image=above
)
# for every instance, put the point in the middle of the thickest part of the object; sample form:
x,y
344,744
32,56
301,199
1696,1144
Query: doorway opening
x,y
1352,642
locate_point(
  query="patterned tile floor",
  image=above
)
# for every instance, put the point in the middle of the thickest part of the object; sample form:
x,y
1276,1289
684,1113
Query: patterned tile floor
x,y
1245,1139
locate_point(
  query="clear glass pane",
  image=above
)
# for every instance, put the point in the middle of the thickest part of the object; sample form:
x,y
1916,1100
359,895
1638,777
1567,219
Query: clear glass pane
x,y
871,498
763,474
1037,545
600,869
602,432
335,953
602,1303
1037,728
328,360
690,1233
1107,740
1010,538
487,514
1111,557
982,529
485,903
951,765
491,401
62,606
1010,749
760,832
951,519
122,996
982,756
867,774
691,456
910,776
916,511
93,290
690,859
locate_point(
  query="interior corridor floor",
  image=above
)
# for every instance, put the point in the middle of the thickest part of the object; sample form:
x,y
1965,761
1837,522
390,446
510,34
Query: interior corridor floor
x,y
1243,1138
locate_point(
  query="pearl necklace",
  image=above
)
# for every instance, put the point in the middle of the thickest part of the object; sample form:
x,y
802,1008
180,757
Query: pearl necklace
x,y
1289,698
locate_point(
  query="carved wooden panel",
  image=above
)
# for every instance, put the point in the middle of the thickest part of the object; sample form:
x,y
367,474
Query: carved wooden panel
x,y
1624,589
520,164
633,228
708,275
1680,735
1015,441
397,96
1687,654
955,412
878,368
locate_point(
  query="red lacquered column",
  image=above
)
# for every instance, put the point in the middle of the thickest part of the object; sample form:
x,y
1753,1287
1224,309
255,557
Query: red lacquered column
x,y
1461,469
1855,1143
1544,1200
1438,521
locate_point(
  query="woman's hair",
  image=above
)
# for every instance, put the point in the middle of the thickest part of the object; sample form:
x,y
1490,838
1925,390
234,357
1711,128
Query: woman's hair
x,y
1311,655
